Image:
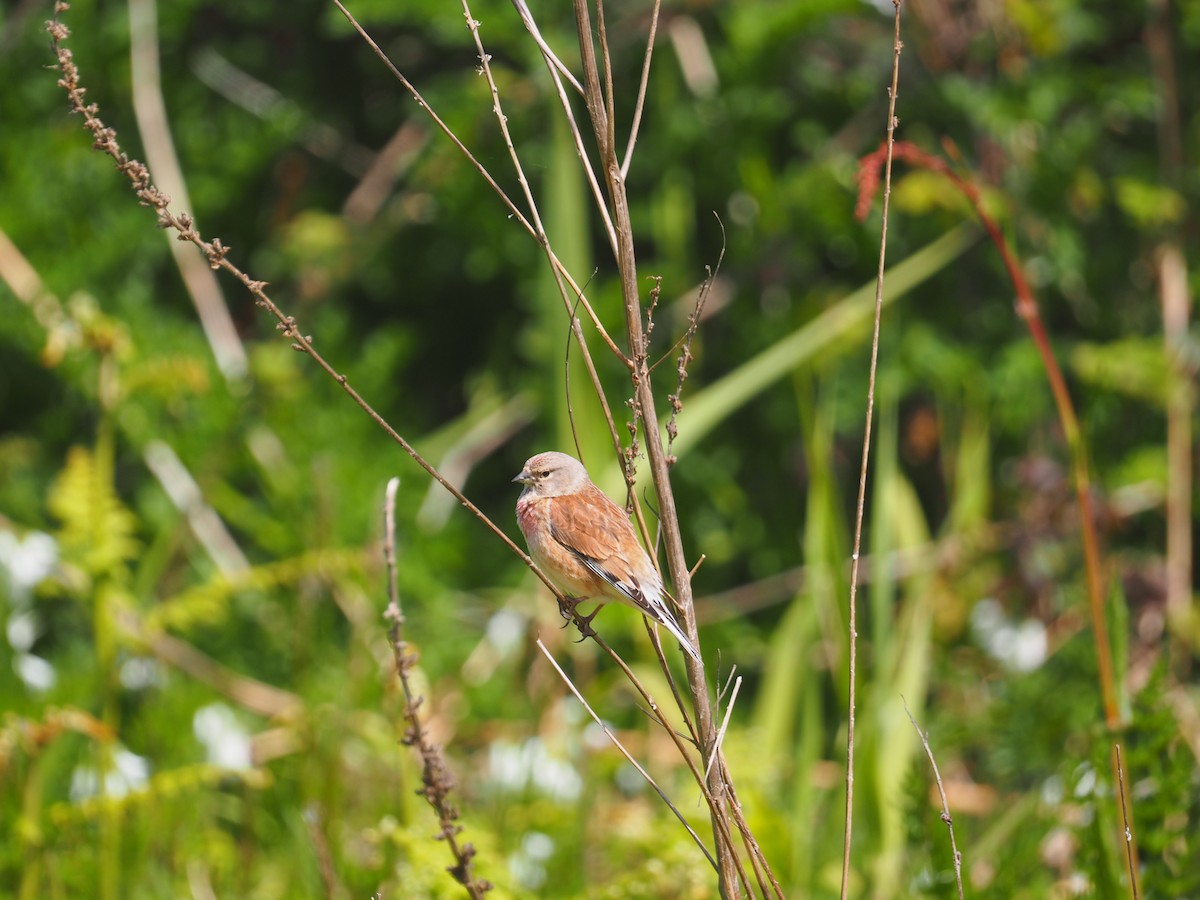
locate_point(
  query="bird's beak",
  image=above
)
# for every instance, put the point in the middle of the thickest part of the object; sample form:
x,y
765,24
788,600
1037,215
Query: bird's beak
x,y
523,478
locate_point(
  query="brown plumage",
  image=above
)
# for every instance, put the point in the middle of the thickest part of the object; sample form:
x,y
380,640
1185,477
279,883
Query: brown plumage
x,y
585,543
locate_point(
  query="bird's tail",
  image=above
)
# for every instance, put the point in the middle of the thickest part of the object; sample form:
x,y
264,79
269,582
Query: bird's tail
x,y
661,613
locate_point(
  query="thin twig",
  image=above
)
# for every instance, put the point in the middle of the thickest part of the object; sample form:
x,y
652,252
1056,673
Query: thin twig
x,y
1130,844
737,686
866,453
557,72
575,332
731,871
937,776
437,782
567,386
610,97
629,756
537,233
685,345
721,824
702,294
540,231
672,684
429,110
531,26
641,97
762,868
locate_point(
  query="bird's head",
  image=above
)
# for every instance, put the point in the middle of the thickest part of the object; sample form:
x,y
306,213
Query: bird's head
x,y
552,474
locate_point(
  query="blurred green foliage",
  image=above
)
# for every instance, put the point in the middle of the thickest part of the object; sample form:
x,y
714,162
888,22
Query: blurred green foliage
x,y
198,695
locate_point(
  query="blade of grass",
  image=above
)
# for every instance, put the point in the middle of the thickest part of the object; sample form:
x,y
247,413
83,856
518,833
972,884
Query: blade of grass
x,y
710,406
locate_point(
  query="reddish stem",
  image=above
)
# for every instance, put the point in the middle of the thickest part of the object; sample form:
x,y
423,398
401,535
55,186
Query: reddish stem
x,y
1027,308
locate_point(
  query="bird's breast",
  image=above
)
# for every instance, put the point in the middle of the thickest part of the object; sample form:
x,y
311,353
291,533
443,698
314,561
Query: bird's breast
x,y
530,511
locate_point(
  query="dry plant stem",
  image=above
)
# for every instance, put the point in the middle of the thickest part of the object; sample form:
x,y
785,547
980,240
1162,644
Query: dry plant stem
x,y
629,756
721,829
730,871
1176,311
576,332
737,687
1173,291
767,882
937,777
150,111
531,26
204,521
672,684
557,264
685,350
1130,846
539,230
435,776
848,833
610,99
641,97
557,72
502,119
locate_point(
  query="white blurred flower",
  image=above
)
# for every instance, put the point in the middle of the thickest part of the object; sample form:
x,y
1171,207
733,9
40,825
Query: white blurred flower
x,y
506,630
140,672
23,629
528,864
537,845
27,560
36,672
1086,785
1020,647
516,767
129,773
225,740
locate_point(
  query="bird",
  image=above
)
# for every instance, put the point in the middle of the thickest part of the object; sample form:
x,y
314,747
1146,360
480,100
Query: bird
x,y
585,544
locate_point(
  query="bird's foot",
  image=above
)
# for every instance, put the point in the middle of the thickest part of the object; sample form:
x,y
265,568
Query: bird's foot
x,y
569,608
585,625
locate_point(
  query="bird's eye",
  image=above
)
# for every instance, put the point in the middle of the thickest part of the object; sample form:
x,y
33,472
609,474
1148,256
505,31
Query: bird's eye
x,y
545,473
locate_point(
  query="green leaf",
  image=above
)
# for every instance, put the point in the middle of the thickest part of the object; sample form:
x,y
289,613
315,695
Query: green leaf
x,y
97,531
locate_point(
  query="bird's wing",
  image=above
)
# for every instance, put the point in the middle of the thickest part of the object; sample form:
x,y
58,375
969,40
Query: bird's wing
x,y
597,531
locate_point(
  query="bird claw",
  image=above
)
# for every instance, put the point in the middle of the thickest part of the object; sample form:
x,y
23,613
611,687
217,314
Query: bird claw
x,y
568,607
564,610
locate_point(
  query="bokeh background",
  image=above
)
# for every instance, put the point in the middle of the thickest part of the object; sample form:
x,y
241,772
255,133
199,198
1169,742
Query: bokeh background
x,y
197,690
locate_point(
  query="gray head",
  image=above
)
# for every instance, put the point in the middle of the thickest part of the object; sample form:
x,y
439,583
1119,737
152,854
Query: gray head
x,y
552,474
